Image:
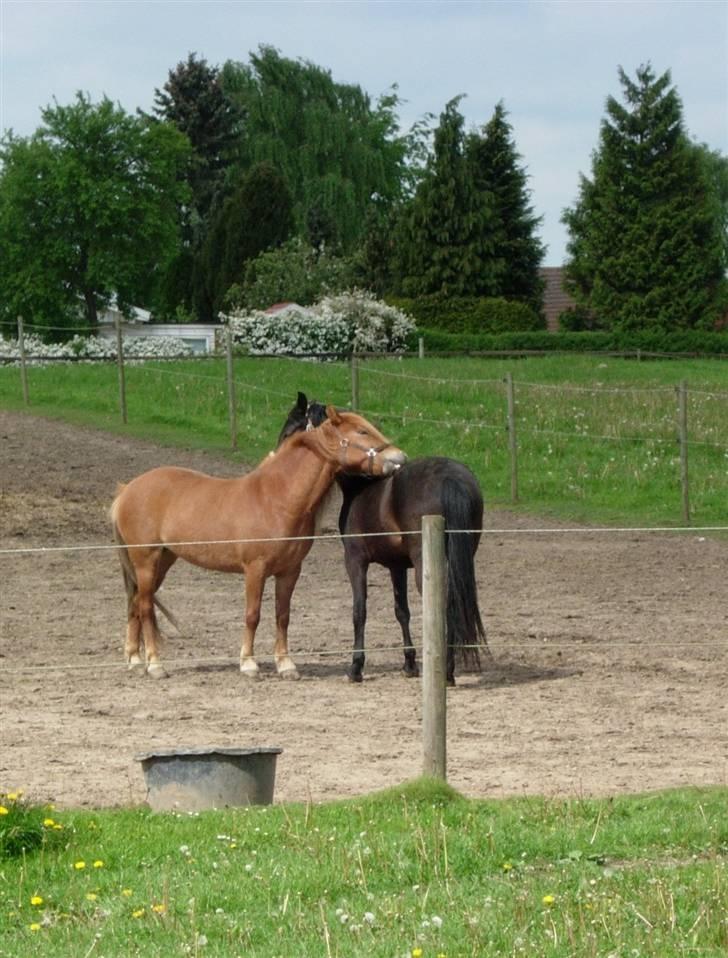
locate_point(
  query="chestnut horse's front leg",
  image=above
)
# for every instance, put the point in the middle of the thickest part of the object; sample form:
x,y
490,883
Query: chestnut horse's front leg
x,y
254,584
285,584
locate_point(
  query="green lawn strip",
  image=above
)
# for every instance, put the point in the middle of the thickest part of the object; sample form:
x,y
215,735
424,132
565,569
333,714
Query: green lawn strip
x,y
417,867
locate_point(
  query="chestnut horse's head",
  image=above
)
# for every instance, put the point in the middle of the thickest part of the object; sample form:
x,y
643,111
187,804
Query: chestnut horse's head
x,y
352,441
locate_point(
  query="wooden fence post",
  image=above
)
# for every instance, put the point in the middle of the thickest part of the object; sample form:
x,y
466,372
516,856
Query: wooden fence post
x,y
434,651
354,383
682,405
120,366
421,347
512,442
232,404
23,368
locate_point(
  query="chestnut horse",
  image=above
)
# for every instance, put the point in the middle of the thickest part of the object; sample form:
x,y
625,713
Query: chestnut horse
x,y
242,525
433,485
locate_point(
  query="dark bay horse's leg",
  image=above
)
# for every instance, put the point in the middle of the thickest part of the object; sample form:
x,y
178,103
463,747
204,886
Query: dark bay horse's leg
x,y
254,585
285,584
450,666
398,575
357,568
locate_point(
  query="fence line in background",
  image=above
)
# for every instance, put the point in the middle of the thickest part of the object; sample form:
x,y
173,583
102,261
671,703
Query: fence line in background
x,y
682,437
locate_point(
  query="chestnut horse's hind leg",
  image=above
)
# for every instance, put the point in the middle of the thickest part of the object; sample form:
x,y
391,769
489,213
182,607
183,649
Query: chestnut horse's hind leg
x,y
398,575
254,585
285,584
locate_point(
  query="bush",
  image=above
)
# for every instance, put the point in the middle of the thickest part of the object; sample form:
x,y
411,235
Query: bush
x,y
345,323
94,348
470,314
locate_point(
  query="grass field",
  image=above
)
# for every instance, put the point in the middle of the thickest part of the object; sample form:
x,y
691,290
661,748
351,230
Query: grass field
x,y
416,871
597,436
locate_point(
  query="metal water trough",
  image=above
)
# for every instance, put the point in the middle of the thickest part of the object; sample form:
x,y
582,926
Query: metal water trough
x,y
193,779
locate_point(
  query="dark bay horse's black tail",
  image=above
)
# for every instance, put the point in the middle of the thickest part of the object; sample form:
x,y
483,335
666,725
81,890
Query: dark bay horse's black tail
x,y
465,631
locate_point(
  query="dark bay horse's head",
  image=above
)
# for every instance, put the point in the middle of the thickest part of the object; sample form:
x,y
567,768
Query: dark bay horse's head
x,y
304,415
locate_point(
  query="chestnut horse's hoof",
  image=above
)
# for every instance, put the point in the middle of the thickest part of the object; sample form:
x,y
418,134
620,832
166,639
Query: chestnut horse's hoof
x,y
291,675
156,670
134,662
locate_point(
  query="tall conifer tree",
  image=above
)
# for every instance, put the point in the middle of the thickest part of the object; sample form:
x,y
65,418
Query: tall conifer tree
x,y
645,249
440,248
511,253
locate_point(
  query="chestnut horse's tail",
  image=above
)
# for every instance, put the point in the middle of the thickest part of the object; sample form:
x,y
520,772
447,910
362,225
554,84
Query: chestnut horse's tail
x,y
463,509
127,570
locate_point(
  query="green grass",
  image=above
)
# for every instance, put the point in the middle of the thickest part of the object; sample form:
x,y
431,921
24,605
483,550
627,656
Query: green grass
x,y
597,437
417,867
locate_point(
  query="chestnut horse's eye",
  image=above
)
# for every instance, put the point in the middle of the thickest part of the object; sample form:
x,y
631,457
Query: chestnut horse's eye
x,y
362,432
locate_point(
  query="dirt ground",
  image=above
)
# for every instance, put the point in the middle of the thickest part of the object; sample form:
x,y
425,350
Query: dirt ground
x,y
610,674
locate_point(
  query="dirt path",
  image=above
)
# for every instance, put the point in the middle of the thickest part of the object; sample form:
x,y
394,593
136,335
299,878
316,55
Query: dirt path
x,y
611,654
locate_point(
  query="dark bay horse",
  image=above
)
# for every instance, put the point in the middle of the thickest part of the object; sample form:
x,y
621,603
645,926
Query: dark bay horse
x,y
430,486
239,525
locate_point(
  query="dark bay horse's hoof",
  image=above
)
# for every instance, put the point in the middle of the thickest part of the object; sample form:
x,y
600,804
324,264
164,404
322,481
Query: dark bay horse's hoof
x,y
411,673
355,677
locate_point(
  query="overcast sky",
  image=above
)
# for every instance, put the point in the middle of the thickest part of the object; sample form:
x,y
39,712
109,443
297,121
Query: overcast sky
x,y
552,63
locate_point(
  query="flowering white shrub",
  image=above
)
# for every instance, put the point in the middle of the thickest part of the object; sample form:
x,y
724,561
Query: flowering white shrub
x,y
342,323
94,348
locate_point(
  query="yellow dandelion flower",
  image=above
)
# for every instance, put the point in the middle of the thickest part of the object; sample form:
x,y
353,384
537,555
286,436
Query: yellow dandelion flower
x,y
91,896
98,863
13,796
79,866
126,892
506,866
416,953
35,926
548,900
36,900
3,810
159,908
138,913
48,822
58,827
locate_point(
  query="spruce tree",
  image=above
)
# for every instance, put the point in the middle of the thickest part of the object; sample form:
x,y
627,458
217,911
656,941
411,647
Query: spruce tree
x,y
440,248
511,252
645,250
194,101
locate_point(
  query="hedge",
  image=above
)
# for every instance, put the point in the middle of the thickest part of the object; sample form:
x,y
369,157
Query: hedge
x,y
682,342
468,314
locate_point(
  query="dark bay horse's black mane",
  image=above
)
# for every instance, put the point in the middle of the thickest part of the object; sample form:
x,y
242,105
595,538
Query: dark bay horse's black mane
x,y
428,486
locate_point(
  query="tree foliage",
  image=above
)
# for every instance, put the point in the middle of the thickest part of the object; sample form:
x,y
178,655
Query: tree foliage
x,y
333,148
470,229
88,212
255,217
294,272
645,247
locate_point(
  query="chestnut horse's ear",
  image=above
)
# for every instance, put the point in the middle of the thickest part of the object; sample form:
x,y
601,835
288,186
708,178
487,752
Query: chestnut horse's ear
x,y
302,403
332,414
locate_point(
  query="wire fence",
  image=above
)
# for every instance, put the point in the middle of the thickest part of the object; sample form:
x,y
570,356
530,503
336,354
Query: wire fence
x,y
523,426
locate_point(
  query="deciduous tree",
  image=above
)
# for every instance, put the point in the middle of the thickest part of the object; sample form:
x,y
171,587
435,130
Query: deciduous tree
x,y
88,211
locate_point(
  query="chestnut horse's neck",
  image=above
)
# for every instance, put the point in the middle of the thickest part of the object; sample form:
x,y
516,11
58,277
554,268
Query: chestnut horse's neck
x,y
306,466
